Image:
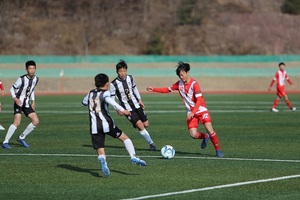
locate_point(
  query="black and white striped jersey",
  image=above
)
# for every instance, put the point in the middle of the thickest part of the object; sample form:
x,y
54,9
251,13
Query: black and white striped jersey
x,y
23,89
97,102
126,91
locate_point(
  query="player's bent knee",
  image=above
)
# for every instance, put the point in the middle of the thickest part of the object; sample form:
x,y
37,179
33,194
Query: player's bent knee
x,y
35,122
123,137
194,136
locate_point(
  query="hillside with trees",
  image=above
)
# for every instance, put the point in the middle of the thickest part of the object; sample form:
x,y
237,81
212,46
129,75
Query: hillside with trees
x,y
162,27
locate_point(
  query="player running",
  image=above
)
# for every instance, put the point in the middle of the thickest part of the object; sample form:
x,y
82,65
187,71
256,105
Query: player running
x,y
280,76
22,92
124,88
102,124
193,99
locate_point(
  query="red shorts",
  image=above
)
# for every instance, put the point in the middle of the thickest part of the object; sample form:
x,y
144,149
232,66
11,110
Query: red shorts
x,y
280,91
203,117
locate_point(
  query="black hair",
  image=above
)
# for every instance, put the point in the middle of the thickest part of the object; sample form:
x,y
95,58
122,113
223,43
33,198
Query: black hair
x,y
121,64
281,63
182,67
29,63
101,80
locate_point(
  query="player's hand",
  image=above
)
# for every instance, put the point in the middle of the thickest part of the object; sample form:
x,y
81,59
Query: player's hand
x,y
18,101
2,93
120,113
269,89
142,104
33,105
190,116
126,112
149,89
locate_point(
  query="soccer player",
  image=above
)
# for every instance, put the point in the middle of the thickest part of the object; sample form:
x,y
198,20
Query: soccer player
x,y
280,77
2,93
192,97
102,124
22,92
124,88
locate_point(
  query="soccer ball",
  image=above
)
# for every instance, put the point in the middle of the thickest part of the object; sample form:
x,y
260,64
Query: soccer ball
x,y
167,151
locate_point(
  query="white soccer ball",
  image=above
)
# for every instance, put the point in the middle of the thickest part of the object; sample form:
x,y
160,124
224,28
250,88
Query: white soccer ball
x,y
167,151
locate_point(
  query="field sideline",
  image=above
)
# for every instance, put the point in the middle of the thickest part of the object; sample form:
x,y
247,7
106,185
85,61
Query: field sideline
x,y
261,153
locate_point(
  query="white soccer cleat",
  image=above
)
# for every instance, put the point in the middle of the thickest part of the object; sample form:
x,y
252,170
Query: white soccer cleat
x,y
294,109
2,128
104,167
138,161
274,110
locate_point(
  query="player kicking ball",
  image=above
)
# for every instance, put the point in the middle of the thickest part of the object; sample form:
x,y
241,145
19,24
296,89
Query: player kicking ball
x,y
192,97
102,124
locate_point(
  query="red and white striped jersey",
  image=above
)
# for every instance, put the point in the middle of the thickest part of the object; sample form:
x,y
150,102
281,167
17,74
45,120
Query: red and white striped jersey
x,y
280,77
190,93
1,85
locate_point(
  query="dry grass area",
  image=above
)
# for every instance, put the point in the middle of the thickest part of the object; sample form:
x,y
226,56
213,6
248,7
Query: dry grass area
x,y
177,27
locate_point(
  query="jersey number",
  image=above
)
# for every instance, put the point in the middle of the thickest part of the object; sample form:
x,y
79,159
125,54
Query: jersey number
x,y
205,116
95,105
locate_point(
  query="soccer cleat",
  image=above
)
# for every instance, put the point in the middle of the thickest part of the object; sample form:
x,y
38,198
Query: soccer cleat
x,y
23,142
152,147
294,109
6,146
219,153
274,110
2,128
104,167
204,141
138,161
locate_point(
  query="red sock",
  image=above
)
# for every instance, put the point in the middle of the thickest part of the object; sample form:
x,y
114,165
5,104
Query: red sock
x,y
275,103
201,135
214,139
288,103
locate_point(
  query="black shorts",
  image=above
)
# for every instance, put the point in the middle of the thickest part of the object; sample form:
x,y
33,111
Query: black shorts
x,y
136,115
26,111
98,139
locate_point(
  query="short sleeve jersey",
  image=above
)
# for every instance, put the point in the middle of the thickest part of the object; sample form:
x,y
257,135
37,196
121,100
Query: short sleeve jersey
x,y
24,89
280,77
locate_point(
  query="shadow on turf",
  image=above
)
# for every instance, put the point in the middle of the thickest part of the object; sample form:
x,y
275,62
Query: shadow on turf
x,y
79,169
90,171
140,149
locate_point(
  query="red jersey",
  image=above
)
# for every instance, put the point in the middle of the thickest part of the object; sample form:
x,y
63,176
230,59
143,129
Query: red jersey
x,y
190,93
1,85
280,76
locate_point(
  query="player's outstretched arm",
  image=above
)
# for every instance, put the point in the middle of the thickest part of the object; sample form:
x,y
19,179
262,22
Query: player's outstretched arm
x,y
149,89
116,106
159,90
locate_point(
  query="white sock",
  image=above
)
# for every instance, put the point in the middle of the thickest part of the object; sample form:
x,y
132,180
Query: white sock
x,y
29,128
129,147
146,136
101,156
10,132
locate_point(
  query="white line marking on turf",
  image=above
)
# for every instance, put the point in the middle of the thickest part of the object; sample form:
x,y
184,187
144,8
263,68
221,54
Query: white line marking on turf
x,y
217,187
144,156
157,111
